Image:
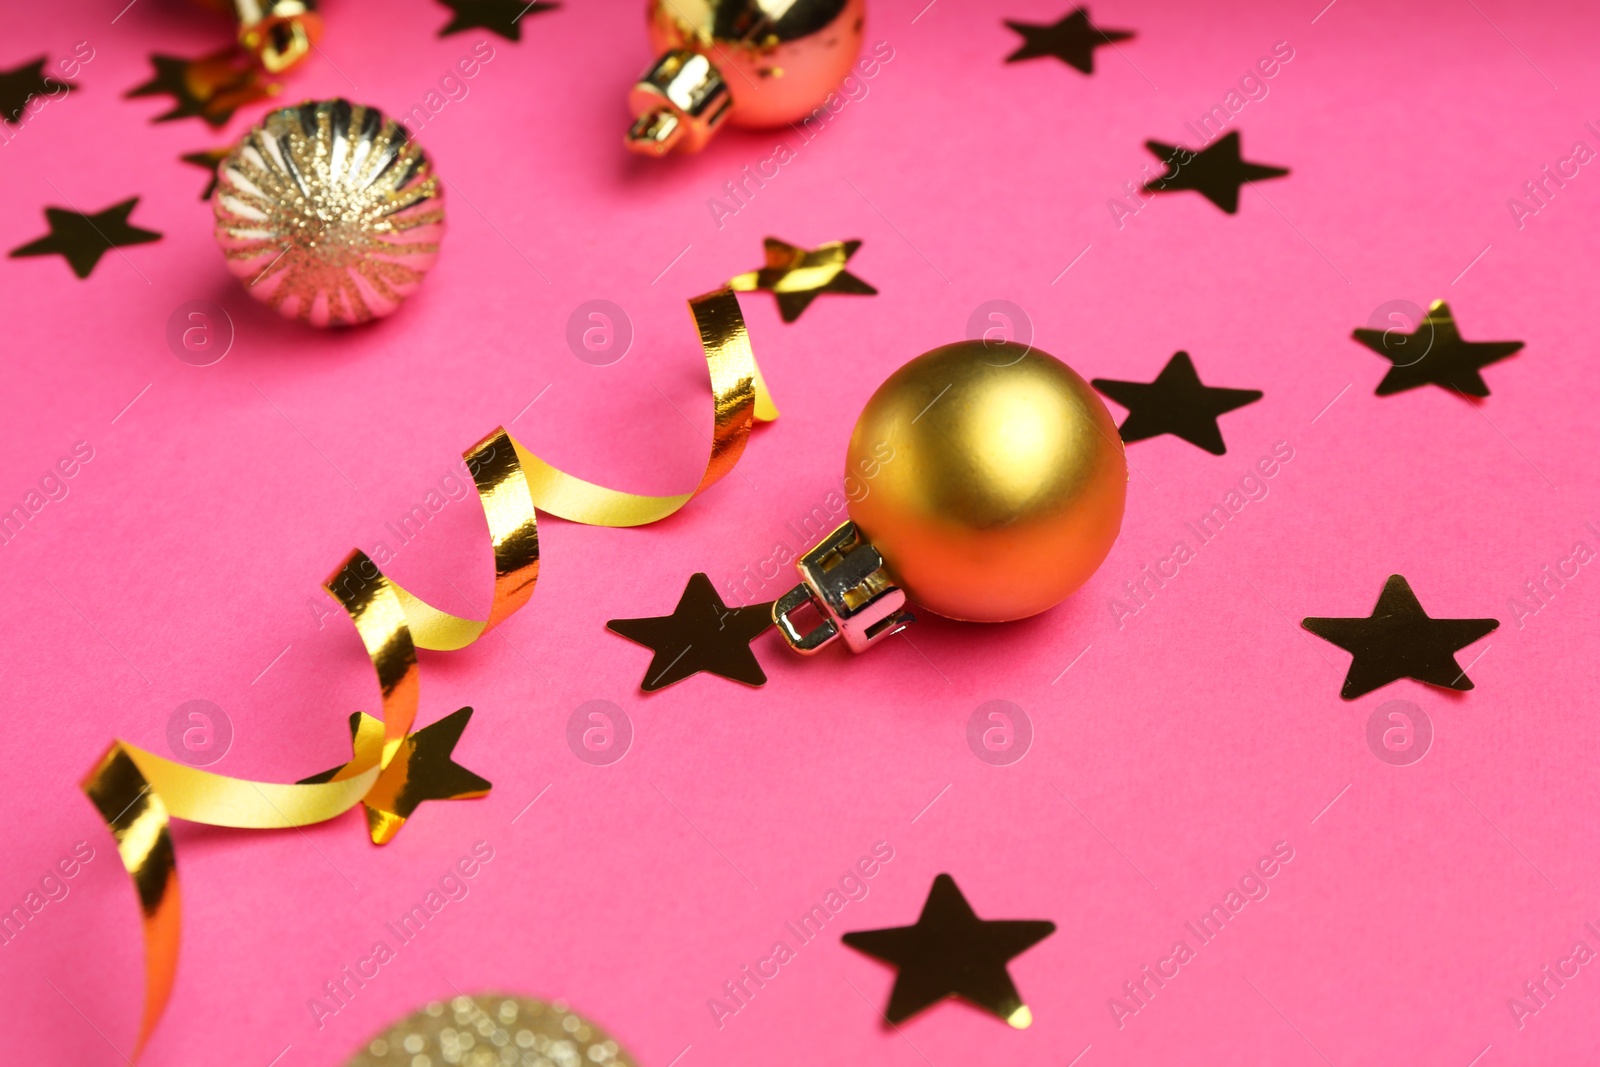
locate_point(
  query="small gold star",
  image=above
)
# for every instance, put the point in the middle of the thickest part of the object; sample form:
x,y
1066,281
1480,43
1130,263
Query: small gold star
x,y
1217,172
1176,403
701,634
1435,354
498,16
212,87
210,159
797,276
950,952
1400,640
1071,39
417,767
21,84
82,239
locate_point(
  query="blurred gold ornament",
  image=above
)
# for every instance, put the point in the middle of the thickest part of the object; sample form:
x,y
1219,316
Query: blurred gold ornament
x,y
749,62
490,1030
993,484
329,213
279,33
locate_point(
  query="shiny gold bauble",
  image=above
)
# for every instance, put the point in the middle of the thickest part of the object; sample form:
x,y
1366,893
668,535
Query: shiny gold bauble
x,y
329,213
991,479
780,58
748,62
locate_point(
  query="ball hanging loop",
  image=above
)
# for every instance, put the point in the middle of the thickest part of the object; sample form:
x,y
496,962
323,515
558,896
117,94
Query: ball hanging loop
x,y
279,33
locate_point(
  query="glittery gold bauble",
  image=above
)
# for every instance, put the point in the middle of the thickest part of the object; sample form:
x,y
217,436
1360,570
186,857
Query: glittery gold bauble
x,y
493,1030
748,62
993,480
329,213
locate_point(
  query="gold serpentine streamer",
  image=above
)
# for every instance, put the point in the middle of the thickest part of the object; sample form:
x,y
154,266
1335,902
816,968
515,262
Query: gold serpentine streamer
x,y
137,792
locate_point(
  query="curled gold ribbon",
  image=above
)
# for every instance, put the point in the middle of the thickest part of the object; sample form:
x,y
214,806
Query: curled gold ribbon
x,y
137,792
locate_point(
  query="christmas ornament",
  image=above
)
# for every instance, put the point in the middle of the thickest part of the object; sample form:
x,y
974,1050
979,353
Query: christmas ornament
x,y
498,16
329,213
749,62
993,484
212,87
797,276
492,1030
279,33
950,952
1435,354
701,634
1176,403
394,768
1399,640
82,239
1216,172
1072,39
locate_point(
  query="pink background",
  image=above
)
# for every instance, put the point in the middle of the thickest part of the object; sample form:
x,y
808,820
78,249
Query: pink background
x,y
189,551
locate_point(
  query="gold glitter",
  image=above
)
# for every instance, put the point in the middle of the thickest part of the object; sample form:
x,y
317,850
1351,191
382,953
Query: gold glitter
x,y
329,213
543,1037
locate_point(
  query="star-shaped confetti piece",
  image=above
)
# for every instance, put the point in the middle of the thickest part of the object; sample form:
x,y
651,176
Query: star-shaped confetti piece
x,y
419,768
498,16
210,160
1435,354
1216,172
950,952
211,88
1176,403
19,84
82,239
797,276
1072,40
701,634
1399,640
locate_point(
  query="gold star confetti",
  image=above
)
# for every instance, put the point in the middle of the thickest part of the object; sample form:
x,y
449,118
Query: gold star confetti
x,y
21,84
1400,640
1217,172
797,276
701,634
212,87
1072,39
82,239
498,16
950,952
417,767
210,159
1435,354
1176,403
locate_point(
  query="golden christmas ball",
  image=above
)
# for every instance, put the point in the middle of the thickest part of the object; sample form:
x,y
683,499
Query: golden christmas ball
x,y
749,62
329,213
991,479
